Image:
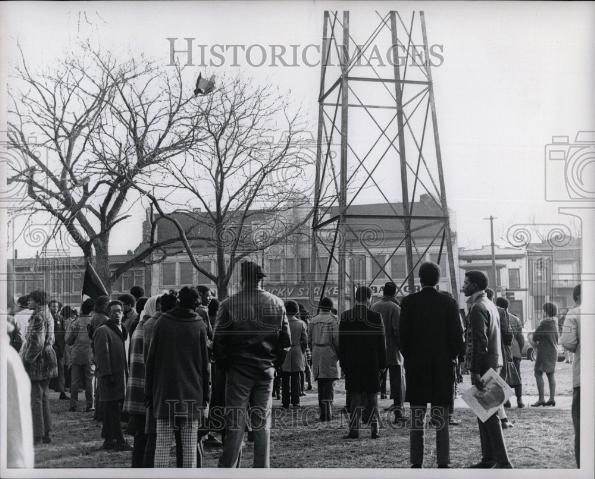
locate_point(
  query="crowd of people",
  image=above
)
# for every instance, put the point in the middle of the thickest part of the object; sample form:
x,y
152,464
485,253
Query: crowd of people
x,y
182,368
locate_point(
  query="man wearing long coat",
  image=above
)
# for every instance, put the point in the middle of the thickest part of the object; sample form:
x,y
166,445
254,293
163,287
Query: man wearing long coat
x,y
362,355
431,340
112,372
324,344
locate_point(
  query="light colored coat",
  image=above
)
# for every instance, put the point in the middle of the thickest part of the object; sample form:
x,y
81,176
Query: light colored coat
x,y
324,344
571,340
77,337
390,312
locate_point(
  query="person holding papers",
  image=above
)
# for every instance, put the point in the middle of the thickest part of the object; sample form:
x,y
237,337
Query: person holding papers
x,y
485,353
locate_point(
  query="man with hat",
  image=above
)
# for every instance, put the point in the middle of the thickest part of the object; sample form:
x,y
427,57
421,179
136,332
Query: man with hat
x,y
485,352
251,337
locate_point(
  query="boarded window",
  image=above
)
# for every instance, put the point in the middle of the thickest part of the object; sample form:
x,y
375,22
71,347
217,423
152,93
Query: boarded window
x,y
168,274
201,278
186,273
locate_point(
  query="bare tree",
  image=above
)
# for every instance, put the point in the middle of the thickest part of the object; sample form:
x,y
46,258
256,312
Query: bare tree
x,y
248,175
86,131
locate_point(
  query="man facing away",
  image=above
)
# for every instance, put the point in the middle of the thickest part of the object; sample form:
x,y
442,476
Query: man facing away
x,y
390,312
571,340
112,371
251,336
485,352
324,341
518,343
177,376
431,341
82,357
362,355
295,360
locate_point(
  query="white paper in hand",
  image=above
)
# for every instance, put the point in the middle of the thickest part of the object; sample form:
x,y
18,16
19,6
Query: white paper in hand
x,y
485,403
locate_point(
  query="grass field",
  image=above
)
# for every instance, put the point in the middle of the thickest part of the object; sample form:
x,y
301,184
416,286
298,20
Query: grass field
x,y
541,438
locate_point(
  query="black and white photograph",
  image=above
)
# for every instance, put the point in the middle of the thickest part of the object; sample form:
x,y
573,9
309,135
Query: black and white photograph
x,y
336,239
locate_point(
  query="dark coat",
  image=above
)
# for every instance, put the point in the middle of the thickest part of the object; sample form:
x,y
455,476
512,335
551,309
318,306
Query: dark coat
x,y
110,360
296,360
362,349
177,367
431,340
545,340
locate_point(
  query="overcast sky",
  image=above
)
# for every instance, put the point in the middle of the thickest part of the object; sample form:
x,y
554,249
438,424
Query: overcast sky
x,y
513,75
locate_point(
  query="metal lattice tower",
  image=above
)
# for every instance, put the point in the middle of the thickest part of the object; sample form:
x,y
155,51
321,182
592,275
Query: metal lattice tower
x,y
377,135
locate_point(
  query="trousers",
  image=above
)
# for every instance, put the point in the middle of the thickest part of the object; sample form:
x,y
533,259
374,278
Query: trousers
x,y
416,433
326,396
111,421
40,408
81,377
396,385
575,410
290,388
188,438
518,390
363,407
247,396
493,449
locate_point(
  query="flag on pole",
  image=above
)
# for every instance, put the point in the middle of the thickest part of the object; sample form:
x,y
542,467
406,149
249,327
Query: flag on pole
x,y
92,285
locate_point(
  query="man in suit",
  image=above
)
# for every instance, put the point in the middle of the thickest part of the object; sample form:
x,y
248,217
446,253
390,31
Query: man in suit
x,y
485,352
362,355
390,312
431,341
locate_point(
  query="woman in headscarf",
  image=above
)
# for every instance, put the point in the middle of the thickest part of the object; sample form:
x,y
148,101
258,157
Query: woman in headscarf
x,y
134,404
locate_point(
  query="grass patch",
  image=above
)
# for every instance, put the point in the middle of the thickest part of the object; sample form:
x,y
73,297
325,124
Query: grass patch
x,y
541,438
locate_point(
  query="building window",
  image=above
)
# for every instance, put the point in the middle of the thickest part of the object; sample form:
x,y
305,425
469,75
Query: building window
x,y
378,267
358,268
66,281
127,281
275,269
201,278
77,282
139,278
304,269
398,266
20,285
514,278
290,269
168,274
186,273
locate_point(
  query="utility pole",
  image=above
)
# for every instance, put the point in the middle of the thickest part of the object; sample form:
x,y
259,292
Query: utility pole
x,y
493,280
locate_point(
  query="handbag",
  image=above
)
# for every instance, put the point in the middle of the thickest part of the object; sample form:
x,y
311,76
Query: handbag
x,y
510,373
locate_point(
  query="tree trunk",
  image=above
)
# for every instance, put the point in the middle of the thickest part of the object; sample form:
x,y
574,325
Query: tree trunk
x,y
102,263
222,279
222,288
